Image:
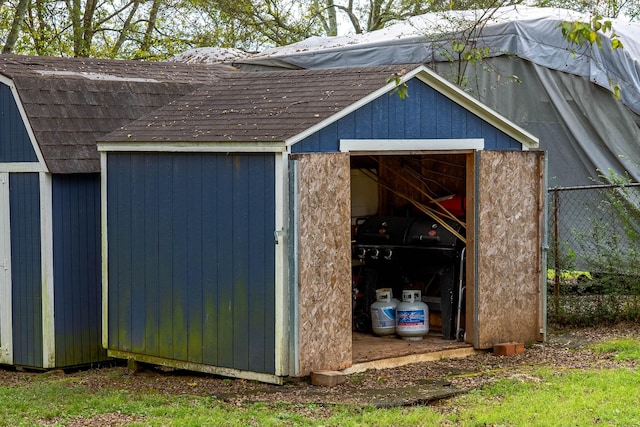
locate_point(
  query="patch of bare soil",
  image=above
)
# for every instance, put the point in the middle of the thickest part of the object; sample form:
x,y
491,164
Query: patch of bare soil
x,y
114,419
411,384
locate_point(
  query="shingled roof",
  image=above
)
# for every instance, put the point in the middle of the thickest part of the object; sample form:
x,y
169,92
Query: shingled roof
x,y
256,107
71,102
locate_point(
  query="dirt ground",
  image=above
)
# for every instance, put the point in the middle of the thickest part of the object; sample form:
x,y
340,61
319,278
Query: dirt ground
x,y
412,384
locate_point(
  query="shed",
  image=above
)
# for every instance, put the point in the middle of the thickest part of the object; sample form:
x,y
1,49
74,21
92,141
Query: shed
x,y
52,110
229,213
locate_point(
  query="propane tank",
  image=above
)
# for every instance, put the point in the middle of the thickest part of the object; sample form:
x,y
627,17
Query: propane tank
x,y
383,312
412,316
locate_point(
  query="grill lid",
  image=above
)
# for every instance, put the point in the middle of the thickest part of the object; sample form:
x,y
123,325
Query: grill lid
x,y
406,231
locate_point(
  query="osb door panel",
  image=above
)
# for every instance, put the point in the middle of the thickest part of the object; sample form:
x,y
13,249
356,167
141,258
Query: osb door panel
x,y
508,297
324,261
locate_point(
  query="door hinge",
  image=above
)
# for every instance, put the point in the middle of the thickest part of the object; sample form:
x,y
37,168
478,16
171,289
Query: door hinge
x,y
278,235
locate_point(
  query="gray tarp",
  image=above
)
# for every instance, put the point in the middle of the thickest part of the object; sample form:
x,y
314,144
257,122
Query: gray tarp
x,y
562,94
559,93
580,125
526,32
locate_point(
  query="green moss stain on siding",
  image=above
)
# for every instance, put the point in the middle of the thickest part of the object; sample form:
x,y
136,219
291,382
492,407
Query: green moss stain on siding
x,y
195,247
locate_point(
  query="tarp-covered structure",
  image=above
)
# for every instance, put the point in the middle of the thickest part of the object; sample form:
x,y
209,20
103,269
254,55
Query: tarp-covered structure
x,y
560,92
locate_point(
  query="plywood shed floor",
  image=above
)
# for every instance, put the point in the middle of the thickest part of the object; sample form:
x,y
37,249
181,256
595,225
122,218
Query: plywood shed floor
x,y
374,352
368,347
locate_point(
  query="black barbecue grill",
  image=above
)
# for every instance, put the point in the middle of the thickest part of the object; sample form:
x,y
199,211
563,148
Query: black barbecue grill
x,y
398,250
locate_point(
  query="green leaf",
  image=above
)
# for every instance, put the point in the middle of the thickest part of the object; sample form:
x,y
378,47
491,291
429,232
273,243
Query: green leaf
x,y
616,91
616,44
457,46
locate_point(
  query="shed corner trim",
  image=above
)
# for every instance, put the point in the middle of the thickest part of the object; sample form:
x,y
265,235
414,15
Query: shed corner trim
x,y
6,317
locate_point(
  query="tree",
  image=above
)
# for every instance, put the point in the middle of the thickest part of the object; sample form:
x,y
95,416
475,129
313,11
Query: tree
x,y
374,16
607,8
16,26
589,33
112,28
156,29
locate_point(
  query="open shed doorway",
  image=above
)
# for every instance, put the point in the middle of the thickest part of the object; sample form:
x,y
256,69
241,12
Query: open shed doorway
x,y
409,229
503,299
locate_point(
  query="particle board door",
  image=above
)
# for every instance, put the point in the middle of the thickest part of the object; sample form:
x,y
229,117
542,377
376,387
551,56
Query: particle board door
x,y
322,206
6,353
508,293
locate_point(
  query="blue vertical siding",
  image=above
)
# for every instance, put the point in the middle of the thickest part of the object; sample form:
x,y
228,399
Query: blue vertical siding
x,y
77,269
26,297
15,145
424,114
192,257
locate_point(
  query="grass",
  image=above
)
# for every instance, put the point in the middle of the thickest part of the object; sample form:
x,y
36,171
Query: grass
x,y
623,349
575,398
567,275
544,397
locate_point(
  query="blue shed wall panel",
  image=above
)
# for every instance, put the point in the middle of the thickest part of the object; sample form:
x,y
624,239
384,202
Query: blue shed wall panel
x,y
77,269
424,114
191,257
15,145
26,297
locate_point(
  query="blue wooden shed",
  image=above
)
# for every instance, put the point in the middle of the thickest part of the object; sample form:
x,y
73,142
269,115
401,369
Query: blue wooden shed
x,y
52,110
228,218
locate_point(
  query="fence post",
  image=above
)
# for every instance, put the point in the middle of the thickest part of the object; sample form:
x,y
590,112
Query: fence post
x,y
556,249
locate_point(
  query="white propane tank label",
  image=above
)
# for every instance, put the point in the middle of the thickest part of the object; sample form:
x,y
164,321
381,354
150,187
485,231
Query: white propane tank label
x,y
411,318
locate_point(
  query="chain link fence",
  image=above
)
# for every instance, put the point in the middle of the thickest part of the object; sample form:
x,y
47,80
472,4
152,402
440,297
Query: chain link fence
x,y
594,253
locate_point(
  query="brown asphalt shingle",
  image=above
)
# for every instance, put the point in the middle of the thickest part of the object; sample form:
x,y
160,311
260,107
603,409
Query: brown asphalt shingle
x,y
71,102
256,107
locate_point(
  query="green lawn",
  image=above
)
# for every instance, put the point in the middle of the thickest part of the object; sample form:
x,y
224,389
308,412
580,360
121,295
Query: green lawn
x,y
543,397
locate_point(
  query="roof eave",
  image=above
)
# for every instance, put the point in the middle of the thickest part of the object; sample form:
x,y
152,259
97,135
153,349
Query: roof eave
x,y
194,147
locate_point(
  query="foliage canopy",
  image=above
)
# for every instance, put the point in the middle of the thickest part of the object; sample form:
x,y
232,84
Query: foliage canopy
x,y
158,29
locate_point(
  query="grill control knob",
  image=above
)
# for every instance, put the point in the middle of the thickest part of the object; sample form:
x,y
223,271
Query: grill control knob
x,y
387,254
361,253
374,253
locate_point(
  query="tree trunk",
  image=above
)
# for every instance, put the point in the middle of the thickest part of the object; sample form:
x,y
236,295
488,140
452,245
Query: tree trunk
x,y
151,25
333,20
87,28
126,27
16,26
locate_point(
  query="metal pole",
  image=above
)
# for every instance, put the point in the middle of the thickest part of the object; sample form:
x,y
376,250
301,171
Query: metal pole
x,y
556,249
